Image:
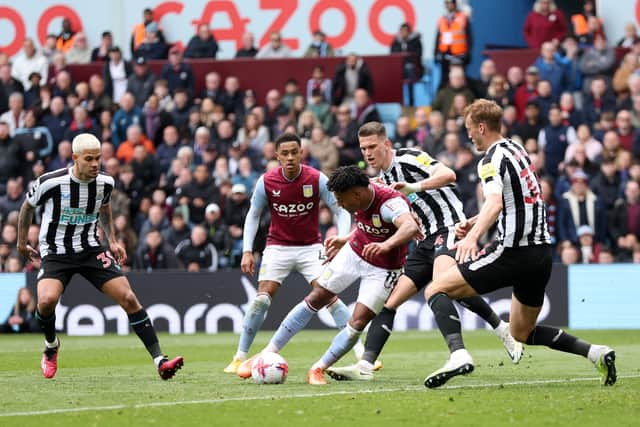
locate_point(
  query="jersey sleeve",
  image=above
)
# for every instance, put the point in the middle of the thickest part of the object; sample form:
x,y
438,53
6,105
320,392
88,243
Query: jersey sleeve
x,y
108,188
488,171
343,218
393,208
427,162
252,221
35,194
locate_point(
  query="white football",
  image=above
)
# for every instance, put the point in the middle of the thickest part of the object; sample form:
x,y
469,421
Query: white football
x,y
269,368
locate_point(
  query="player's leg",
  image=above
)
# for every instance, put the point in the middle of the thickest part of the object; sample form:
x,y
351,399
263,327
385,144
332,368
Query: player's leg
x,y
119,289
49,292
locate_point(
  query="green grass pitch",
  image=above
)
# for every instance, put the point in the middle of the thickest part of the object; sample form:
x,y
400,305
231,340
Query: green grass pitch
x,y
110,381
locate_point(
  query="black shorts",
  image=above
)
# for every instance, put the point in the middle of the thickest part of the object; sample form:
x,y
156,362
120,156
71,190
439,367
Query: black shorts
x,y
97,266
419,264
526,268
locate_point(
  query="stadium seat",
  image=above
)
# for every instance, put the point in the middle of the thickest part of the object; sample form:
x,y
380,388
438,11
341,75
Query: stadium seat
x,y
389,111
391,130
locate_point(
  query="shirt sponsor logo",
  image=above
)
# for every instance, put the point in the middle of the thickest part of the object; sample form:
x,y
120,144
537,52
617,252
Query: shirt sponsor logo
x,y
76,216
373,230
275,193
292,208
307,190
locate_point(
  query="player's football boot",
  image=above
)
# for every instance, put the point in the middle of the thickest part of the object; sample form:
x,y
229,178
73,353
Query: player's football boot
x,y
168,368
232,367
459,363
49,363
514,348
244,368
377,365
605,363
316,377
349,373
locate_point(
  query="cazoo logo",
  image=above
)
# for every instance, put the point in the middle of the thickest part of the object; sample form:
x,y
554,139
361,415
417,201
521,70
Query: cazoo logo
x,y
373,230
292,208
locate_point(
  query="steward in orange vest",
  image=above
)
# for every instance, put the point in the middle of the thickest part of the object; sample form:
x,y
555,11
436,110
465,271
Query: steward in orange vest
x,y
454,40
65,38
138,34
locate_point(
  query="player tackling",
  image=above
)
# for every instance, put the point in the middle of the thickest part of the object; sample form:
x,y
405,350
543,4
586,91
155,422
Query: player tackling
x,y
74,200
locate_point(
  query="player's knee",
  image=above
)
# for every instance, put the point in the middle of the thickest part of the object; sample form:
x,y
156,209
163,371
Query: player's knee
x,y
129,301
318,298
262,301
358,324
47,303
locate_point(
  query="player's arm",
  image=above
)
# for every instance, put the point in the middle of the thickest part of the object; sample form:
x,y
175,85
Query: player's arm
x,y
492,186
341,216
24,221
394,210
440,176
251,225
106,223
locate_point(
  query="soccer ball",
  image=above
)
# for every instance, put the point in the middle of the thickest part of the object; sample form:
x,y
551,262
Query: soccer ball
x,y
269,368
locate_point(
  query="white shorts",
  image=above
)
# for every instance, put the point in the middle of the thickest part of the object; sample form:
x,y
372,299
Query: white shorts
x,y
279,261
376,283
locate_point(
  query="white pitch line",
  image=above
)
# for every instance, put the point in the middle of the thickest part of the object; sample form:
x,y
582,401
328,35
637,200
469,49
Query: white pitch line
x,y
294,396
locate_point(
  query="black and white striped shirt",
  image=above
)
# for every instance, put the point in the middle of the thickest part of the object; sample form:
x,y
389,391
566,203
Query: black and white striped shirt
x,y
71,210
437,209
506,169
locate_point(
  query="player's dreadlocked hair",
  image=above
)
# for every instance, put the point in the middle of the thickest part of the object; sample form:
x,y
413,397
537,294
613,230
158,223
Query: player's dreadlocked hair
x,y
347,177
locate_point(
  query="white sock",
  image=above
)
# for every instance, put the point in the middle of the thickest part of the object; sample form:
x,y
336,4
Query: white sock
x,y
158,360
241,355
54,344
501,327
594,352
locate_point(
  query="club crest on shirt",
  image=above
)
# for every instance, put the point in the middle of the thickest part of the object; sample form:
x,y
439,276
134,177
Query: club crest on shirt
x,y
376,220
307,190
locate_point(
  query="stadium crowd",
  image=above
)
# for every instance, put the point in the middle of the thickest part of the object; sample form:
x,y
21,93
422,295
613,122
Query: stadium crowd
x,y
185,163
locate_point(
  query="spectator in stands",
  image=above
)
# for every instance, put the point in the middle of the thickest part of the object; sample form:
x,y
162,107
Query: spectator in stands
x,y
545,99
178,73
225,137
592,147
155,218
141,81
128,114
57,120
585,25
319,48
323,150
457,85
275,48
80,52
306,123
203,44
498,90
64,41
10,154
252,135
155,253
22,315
231,98
544,23
235,210
99,100
421,118
245,175
583,162
624,220
607,183
321,109
116,72
101,53
404,136
32,98
532,124
146,168
272,109
139,32
15,116
58,64
626,132
515,79
588,247
291,91
449,155
49,48
217,232
8,85
364,108
247,50
552,69
155,120
480,86
63,86
409,42
580,206
598,101
630,36
454,40
81,123
434,141
63,159
319,83
597,61
196,253
212,87
197,194
570,114
30,62
178,231
344,136
12,200
152,47
351,75
134,137
104,126
554,140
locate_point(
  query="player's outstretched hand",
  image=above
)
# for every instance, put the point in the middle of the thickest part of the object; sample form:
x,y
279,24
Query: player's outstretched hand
x,y
371,250
462,228
406,188
331,247
28,252
466,249
419,234
118,252
248,264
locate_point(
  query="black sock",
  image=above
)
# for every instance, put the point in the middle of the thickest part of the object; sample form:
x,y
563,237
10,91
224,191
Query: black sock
x,y
448,320
143,327
48,326
558,339
378,334
482,308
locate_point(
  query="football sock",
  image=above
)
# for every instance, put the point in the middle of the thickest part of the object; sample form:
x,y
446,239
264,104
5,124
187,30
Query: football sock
x,y
558,339
48,326
341,344
378,334
295,321
448,320
340,313
253,319
479,306
143,327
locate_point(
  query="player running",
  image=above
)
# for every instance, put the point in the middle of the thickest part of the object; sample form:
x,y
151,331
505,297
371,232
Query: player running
x,y
74,200
293,193
520,256
430,187
375,254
